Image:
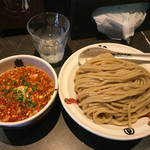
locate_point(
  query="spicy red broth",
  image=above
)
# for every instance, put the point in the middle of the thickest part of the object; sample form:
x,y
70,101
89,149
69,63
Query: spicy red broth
x,y
24,91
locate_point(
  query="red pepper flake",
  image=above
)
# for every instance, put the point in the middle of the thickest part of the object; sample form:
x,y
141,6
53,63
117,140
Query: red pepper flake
x,y
71,100
148,115
148,123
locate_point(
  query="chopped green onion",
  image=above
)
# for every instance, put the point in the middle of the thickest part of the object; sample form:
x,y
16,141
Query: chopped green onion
x,y
28,100
34,88
36,84
25,83
27,104
51,93
7,91
14,82
33,104
20,100
19,92
51,83
20,97
14,90
26,89
25,75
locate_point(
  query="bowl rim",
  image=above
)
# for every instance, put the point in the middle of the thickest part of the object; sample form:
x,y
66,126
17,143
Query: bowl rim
x,y
30,119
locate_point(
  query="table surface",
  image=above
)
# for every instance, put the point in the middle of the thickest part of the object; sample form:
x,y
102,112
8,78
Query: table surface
x,y
57,130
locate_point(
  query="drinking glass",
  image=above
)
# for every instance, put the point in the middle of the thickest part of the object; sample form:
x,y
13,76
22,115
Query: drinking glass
x,y
49,31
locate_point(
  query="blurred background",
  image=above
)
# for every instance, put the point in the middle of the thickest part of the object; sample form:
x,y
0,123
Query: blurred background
x,y
14,14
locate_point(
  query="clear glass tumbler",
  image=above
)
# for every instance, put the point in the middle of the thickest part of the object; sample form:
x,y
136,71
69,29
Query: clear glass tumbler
x,y
49,32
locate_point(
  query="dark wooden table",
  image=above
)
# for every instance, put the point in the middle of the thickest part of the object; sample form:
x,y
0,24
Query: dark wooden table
x,y
57,131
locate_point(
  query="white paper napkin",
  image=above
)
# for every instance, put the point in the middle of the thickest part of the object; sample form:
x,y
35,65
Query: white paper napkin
x,y
120,21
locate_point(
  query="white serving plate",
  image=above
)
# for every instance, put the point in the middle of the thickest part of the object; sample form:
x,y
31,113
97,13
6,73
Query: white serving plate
x,y
66,90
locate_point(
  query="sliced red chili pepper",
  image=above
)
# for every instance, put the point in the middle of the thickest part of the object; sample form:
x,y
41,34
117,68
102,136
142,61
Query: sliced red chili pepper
x,y
148,115
148,123
71,100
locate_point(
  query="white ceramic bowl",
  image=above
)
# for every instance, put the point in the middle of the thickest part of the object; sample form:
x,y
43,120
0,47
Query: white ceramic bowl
x,y
29,60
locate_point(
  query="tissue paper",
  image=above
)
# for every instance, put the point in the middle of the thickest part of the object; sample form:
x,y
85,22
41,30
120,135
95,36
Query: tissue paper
x,y
120,21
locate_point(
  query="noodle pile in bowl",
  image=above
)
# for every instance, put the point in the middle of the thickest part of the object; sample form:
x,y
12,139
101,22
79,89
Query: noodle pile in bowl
x,y
113,91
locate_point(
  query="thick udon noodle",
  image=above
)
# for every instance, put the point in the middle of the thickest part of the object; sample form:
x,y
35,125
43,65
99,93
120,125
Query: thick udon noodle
x,y
113,91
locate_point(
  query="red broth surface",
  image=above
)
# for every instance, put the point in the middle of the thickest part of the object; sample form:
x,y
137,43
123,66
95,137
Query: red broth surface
x,y
24,91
